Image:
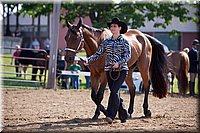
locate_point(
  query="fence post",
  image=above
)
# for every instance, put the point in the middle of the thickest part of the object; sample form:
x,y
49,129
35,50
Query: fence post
x,y
199,71
54,46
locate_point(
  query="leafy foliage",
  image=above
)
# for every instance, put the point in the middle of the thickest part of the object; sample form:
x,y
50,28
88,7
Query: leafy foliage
x,y
134,14
36,9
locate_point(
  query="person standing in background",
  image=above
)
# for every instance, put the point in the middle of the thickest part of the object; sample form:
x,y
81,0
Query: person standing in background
x,y
193,56
61,65
87,78
17,64
35,44
47,43
75,68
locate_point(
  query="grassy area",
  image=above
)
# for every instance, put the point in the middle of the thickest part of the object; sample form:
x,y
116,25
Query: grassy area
x,y
175,89
11,69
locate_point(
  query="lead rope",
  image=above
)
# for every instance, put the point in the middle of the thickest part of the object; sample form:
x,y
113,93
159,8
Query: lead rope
x,y
114,70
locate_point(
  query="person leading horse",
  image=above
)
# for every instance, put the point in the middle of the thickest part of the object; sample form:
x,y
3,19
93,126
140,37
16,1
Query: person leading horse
x,y
118,51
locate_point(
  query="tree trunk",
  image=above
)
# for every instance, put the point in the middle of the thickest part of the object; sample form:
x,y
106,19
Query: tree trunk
x,y
33,29
92,16
8,32
17,22
48,26
199,71
4,19
38,27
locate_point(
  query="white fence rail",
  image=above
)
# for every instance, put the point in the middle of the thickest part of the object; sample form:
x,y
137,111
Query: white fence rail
x,y
136,78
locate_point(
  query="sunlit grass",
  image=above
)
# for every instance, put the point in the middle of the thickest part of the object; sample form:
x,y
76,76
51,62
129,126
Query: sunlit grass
x,y
12,75
175,88
11,69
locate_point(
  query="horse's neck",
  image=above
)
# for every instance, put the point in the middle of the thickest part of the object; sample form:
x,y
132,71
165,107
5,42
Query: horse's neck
x,y
91,42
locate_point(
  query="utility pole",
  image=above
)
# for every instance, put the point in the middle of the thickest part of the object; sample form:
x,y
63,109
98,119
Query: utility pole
x,y
54,46
199,71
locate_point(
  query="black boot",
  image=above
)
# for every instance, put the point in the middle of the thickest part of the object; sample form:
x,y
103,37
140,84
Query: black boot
x,y
122,113
190,87
191,84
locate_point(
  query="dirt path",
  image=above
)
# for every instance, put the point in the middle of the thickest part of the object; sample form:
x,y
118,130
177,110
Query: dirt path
x,y
71,110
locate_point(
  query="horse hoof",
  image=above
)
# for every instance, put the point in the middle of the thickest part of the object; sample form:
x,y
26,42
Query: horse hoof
x,y
129,116
95,117
148,114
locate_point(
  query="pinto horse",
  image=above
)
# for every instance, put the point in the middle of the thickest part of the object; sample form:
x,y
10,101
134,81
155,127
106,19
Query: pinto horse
x,y
178,65
147,54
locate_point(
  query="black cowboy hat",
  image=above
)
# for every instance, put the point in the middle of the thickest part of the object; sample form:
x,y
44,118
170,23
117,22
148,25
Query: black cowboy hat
x,y
123,25
195,42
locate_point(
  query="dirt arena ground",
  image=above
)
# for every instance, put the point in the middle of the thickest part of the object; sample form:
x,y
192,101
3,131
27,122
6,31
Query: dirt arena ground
x,y
71,111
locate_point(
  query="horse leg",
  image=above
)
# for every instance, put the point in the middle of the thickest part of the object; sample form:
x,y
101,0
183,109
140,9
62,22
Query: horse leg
x,y
97,96
147,112
100,95
34,72
131,86
172,84
144,70
24,71
180,93
94,98
41,72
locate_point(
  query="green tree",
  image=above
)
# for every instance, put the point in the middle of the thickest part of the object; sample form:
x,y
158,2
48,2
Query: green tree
x,y
36,9
134,14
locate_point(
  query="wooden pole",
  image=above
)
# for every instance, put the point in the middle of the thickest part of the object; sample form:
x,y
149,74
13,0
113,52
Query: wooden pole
x,y
199,71
54,46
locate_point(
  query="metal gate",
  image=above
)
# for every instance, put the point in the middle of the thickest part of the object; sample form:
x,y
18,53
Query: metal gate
x,y
17,80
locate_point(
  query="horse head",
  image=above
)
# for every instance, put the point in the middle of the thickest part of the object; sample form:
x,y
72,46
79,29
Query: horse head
x,y
74,40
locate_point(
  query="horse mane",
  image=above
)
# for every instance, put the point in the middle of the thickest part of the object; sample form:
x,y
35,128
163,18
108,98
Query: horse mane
x,y
92,32
92,28
170,52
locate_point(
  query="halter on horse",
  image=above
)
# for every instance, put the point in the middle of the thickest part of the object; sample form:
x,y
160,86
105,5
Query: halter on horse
x,y
151,64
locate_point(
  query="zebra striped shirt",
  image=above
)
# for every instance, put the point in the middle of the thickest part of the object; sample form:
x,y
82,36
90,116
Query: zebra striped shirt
x,y
116,50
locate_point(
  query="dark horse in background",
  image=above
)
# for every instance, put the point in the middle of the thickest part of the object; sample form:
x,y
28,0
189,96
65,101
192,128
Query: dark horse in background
x,y
146,52
38,62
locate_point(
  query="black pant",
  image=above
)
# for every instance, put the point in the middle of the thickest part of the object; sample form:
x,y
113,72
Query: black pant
x,y
115,102
17,69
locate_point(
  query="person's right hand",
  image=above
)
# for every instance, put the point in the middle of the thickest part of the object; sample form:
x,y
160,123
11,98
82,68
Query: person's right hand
x,y
84,60
86,64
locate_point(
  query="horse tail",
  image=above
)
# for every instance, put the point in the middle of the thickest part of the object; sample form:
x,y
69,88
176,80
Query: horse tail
x,y
183,74
158,68
186,50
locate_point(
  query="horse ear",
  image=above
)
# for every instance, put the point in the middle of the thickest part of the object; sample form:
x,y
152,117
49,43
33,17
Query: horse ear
x,y
80,22
68,23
